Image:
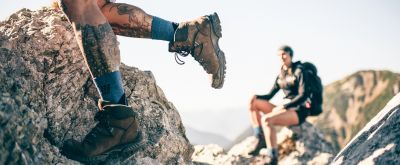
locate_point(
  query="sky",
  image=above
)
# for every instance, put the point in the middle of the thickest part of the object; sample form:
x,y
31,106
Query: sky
x,y
339,36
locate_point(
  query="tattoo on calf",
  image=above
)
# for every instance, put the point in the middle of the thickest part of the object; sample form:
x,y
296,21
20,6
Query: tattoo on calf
x,y
100,48
138,24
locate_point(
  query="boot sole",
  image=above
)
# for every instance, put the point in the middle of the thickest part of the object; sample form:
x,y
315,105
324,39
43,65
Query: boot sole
x,y
218,78
119,150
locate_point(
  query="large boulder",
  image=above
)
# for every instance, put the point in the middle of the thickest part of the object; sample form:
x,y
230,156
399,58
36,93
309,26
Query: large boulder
x,y
302,144
47,96
378,142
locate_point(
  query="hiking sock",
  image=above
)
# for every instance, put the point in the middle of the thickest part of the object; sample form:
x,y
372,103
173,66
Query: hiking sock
x,y
258,132
162,29
110,87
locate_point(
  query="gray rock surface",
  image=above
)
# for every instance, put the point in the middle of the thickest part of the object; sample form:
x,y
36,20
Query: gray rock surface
x,y
378,142
47,96
297,145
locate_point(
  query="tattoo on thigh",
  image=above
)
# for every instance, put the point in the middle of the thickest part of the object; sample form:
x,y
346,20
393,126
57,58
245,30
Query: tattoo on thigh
x,y
100,47
138,24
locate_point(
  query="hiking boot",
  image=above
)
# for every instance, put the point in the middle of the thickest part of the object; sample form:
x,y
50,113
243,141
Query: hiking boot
x,y
117,131
200,39
260,145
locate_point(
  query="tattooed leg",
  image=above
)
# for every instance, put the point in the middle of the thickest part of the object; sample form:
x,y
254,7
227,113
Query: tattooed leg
x,y
131,21
95,37
128,20
99,46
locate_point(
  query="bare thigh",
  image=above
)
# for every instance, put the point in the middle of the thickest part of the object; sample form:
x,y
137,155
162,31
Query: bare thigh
x,y
263,105
282,118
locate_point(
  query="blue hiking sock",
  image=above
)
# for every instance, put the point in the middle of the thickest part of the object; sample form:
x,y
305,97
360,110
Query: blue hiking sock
x,y
162,29
258,132
110,87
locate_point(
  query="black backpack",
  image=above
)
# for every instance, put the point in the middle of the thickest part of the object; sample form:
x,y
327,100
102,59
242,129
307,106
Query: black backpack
x,y
314,85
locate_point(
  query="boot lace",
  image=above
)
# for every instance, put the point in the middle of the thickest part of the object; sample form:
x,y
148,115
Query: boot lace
x,y
184,51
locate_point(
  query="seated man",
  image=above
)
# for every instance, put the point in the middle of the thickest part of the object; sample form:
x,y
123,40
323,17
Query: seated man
x,y
298,104
95,23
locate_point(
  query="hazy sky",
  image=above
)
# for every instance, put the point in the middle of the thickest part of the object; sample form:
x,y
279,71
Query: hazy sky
x,y
339,36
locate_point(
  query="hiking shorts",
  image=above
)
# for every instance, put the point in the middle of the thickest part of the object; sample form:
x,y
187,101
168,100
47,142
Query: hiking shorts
x,y
301,111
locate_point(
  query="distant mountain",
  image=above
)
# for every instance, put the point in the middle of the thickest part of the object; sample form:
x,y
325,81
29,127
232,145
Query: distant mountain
x,y
245,134
351,102
228,123
197,137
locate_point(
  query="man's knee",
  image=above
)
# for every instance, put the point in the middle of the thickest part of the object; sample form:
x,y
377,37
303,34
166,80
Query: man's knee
x,y
252,101
102,3
267,120
69,6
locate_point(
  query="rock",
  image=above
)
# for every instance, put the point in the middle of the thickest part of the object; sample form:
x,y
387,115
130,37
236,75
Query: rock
x,y
47,96
304,144
351,102
378,142
297,145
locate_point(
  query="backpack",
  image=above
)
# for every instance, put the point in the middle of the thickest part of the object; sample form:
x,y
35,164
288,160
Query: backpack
x,y
314,85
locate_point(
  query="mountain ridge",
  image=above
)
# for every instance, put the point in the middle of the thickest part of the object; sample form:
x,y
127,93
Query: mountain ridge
x,y
349,103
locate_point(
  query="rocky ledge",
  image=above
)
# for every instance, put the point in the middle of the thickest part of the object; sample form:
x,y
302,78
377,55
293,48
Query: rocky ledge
x,y
47,96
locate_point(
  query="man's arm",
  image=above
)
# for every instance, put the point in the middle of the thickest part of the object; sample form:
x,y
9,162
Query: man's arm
x,y
275,88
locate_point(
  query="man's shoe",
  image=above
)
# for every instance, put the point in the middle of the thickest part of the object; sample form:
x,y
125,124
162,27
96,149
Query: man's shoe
x,y
117,131
200,39
260,145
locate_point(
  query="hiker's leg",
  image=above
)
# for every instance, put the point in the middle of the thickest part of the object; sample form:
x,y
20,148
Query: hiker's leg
x,y
257,106
131,21
197,37
99,46
277,118
127,20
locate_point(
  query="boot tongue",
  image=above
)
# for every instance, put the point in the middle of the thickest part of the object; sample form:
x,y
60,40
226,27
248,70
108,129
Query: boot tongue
x,y
181,33
119,111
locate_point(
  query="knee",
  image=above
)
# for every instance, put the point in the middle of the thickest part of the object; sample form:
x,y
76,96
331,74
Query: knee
x,y
102,3
252,102
73,6
267,121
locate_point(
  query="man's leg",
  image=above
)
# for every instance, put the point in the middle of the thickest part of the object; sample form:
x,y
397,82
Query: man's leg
x,y
256,107
276,118
198,37
99,47
117,123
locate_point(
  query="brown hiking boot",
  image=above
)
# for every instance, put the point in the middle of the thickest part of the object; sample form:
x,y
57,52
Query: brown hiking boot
x,y
200,39
117,131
